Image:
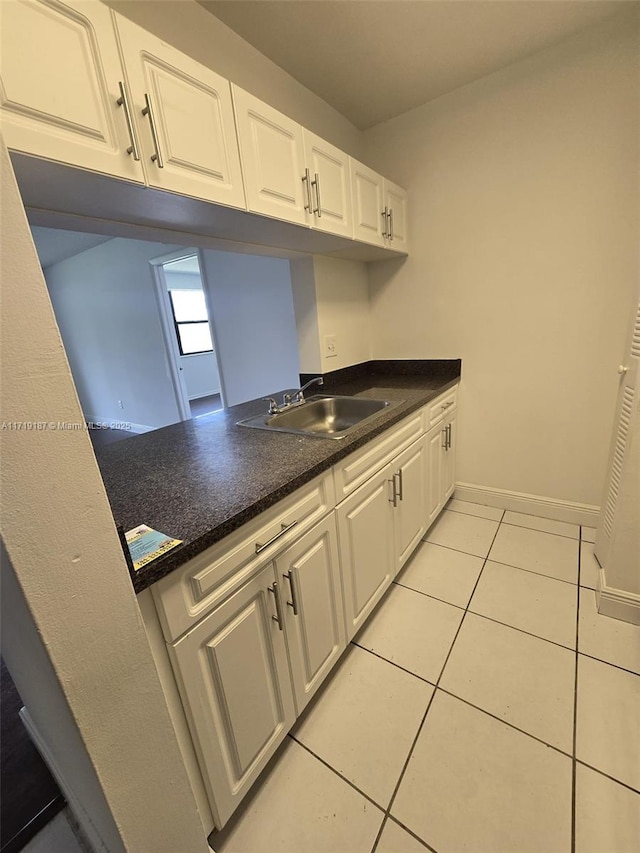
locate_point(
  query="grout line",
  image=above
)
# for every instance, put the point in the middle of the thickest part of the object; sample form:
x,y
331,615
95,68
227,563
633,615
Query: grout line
x,y
410,832
506,722
336,772
608,662
575,714
421,726
457,550
608,776
428,595
539,574
393,663
475,515
548,532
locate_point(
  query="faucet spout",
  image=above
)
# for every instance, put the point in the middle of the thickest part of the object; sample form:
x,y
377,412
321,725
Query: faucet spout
x,y
299,394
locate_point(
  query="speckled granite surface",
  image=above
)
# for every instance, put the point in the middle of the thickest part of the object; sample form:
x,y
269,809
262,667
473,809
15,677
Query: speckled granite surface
x,y
199,480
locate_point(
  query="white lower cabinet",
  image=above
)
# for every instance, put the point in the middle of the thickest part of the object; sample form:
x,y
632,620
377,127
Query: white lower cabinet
x,y
410,516
440,465
365,527
309,574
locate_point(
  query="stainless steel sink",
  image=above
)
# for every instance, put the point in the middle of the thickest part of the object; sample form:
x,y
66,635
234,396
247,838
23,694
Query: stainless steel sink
x,y
323,416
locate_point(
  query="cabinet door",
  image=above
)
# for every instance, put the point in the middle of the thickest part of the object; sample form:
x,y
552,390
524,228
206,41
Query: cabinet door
x,y
187,130
365,528
314,617
449,460
395,200
330,185
234,680
369,222
272,153
60,75
434,460
410,512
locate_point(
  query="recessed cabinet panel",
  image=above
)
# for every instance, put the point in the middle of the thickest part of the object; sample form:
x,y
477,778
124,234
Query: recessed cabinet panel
x,y
272,159
236,690
396,202
187,130
449,463
411,503
60,72
314,616
365,525
330,185
368,206
434,474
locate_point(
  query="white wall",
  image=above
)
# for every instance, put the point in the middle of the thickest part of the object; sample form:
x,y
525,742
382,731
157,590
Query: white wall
x,y
523,197
331,297
59,534
106,309
188,27
200,374
251,308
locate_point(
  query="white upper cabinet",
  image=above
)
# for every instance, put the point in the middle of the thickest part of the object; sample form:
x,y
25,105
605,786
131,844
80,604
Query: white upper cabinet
x,y
184,119
328,184
272,152
395,205
62,86
369,222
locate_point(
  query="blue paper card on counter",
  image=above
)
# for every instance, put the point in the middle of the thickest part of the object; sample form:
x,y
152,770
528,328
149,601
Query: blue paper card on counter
x,y
146,544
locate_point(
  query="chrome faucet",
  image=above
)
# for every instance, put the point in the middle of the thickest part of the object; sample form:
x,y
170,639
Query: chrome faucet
x,y
289,400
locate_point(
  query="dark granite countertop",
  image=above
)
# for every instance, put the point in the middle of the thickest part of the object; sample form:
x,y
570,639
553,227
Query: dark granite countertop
x,y
201,479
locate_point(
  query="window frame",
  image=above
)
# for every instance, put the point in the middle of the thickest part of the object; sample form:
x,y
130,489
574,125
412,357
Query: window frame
x,y
177,325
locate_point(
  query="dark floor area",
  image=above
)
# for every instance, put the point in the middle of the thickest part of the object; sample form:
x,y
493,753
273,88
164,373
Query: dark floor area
x,y
103,437
29,796
205,405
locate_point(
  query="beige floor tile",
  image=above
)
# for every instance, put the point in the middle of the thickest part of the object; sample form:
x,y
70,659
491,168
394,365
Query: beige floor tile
x,y
394,839
588,534
480,510
413,631
608,725
303,806
607,815
463,533
589,566
475,785
544,553
608,639
521,679
534,603
443,573
364,722
547,525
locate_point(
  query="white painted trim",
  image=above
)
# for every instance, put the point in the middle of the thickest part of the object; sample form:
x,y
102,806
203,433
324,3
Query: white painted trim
x,y
80,813
574,513
136,429
617,603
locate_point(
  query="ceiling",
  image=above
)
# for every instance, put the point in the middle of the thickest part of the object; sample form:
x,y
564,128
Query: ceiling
x,y
375,59
54,245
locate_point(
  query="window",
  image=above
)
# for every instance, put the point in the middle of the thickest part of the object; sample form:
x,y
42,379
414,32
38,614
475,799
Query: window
x,y
191,321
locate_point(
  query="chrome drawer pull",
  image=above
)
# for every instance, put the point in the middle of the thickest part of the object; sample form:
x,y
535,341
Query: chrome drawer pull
x,y
294,595
306,179
123,102
278,617
157,157
260,546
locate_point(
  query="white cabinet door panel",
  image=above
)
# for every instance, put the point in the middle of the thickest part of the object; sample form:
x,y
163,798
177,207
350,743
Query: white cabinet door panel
x,y
310,574
236,689
60,74
272,154
365,526
366,192
449,461
191,106
396,200
331,185
434,474
411,514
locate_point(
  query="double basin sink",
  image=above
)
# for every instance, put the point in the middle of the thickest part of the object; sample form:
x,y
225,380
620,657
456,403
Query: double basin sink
x,y
322,416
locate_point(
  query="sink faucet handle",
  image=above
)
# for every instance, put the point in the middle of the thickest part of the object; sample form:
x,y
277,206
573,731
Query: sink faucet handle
x,y
286,400
273,406
317,380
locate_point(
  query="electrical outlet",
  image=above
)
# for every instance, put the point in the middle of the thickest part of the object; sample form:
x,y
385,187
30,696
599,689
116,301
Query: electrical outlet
x,y
330,346
121,404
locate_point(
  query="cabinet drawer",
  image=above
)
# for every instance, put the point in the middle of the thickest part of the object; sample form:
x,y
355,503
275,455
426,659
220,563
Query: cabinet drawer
x,y
437,410
357,468
189,593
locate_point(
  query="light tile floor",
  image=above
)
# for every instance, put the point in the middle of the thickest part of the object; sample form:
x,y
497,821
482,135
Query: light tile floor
x,y
454,721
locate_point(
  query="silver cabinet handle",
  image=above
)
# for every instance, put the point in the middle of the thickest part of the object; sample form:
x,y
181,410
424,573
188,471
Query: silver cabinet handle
x,y
449,432
316,183
147,111
260,546
385,220
445,434
391,223
400,484
306,179
446,405
278,617
123,102
394,495
294,595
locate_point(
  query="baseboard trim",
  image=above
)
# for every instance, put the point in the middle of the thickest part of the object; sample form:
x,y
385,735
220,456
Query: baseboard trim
x,y
574,513
617,603
135,428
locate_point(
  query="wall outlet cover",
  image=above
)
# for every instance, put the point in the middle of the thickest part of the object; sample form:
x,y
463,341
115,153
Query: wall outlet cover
x,y
330,346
